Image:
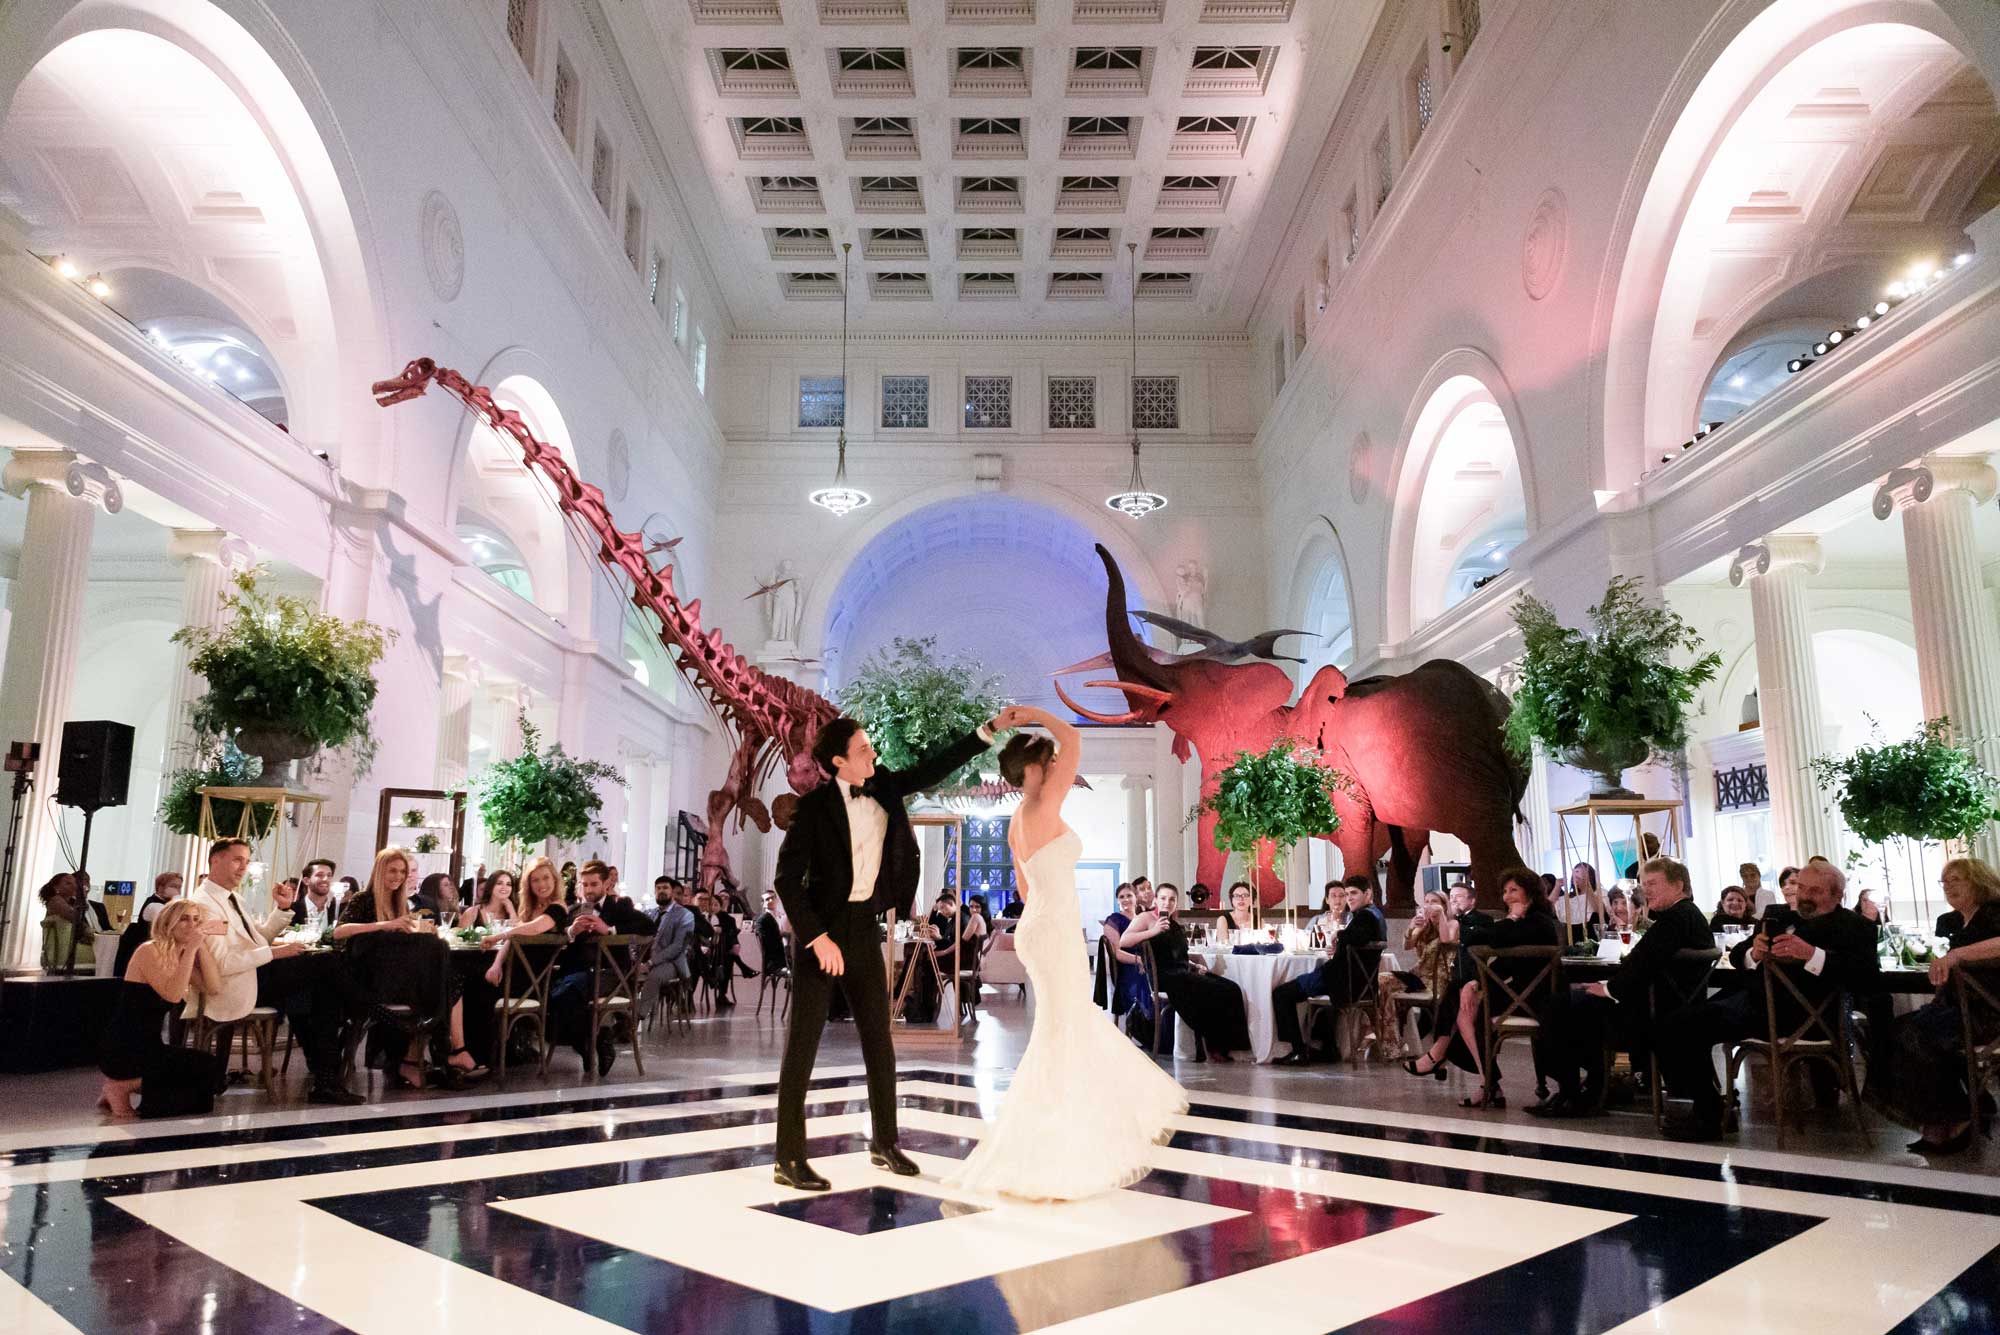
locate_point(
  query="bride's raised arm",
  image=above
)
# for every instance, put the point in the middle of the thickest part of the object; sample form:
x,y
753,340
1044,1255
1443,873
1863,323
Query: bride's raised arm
x,y
1069,748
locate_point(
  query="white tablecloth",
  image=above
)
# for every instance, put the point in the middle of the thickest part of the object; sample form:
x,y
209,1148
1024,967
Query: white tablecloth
x,y
1256,975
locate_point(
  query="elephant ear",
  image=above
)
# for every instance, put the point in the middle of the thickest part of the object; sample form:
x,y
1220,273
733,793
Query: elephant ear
x,y
1329,683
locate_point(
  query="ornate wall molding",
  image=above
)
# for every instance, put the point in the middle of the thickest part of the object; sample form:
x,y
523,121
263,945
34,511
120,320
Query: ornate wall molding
x,y
443,244
1545,244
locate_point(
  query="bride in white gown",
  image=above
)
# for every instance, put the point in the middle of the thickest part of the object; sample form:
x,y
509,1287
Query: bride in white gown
x,y
1086,1106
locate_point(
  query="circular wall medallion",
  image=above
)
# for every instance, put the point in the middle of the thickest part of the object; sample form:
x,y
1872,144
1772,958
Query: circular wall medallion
x,y
1545,244
617,467
443,246
1360,466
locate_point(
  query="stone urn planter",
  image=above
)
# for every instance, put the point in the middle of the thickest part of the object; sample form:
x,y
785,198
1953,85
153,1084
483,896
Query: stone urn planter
x,y
1607,765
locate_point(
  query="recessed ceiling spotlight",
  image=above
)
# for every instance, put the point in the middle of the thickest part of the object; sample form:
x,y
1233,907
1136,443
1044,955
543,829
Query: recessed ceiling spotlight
x,y
1864,322
1738,381
1819,349
67,268
98,287
1881,308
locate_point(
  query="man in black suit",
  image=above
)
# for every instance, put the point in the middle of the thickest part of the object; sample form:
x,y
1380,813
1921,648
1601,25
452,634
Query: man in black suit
x,y
598,913
849,856
1826,947
1339,977
1580,1021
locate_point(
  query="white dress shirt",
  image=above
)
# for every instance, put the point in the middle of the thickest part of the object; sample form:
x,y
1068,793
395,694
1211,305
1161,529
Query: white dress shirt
x,y
240,952
867,827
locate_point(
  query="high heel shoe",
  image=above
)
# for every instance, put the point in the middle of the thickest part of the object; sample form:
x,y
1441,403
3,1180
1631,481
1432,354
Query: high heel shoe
x,y
1494,1101
1957,1144
397,1080
1435,1070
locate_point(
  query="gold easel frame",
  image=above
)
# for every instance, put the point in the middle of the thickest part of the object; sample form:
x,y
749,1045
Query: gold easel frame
x,y
926,1036
1595,814
282,849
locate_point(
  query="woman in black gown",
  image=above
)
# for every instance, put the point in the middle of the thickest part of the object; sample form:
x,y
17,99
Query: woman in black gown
x,y
1917,1076
1211,1006
170,1081
397,960
1530,921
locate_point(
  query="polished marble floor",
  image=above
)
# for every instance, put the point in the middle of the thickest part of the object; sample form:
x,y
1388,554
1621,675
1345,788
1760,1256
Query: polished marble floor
x,y
1278,1206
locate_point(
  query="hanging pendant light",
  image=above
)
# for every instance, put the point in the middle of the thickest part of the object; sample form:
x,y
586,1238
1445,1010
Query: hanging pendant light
x,y
840,498
1135,501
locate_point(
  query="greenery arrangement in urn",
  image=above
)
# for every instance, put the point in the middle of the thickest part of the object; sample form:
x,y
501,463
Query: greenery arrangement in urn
x,y
216,766
1605,699
1281,795
914,700
284,679
1929,788
542,794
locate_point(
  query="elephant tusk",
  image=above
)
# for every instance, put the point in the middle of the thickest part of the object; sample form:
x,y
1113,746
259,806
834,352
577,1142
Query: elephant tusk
x,y
1133,716
1158,697
1087,665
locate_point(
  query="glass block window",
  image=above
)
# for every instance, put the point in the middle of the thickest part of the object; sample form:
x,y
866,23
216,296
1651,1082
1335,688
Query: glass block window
x,y
700,362
822,400
600,171
906,400
1420,93
989,401
1073,402
521,29
635,224
564,104
1385,177
653,272
678,324
1156,403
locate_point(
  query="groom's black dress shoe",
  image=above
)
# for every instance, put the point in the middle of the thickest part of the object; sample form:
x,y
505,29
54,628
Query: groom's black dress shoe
x,y
893,1159
799,1176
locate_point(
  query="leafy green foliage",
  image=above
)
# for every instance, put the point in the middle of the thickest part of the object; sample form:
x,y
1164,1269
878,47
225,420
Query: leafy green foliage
x,y
279,662
1927,788
543,793
425,843
1283,795
1615,691
222,767
913,701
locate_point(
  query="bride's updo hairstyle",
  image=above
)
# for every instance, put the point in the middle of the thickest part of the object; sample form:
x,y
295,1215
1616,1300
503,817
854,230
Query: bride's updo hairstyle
x,y
1025,751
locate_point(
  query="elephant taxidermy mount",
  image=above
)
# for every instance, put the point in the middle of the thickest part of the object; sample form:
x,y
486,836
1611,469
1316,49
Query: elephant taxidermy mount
x,y
1423,750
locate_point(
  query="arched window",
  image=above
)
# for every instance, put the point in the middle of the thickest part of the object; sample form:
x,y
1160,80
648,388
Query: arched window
x,y
495,553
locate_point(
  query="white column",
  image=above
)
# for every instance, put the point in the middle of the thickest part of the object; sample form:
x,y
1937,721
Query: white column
x,y
639,865
209,558
509,701
1135,826
1535,805
455,723
1958,650
63,494
1788,691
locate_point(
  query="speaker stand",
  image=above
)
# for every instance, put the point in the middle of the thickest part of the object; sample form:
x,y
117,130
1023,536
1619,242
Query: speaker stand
x,y
78,927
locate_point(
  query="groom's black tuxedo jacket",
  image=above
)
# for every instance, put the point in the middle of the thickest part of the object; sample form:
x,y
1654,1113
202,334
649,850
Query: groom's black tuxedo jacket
x,y
816,861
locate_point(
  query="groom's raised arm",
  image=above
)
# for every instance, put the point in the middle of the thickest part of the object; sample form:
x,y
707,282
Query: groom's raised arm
x,y
934,768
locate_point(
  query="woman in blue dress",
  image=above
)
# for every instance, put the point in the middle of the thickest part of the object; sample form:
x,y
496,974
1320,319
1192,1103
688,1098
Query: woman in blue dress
x,y
1131,989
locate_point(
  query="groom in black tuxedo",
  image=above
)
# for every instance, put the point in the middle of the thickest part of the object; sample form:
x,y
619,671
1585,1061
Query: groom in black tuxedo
x,y
848,857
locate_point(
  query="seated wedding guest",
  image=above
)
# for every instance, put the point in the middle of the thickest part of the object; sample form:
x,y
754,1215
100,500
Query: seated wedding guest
x,y
1649,848
1340,978
1240,916
1788,890
1579,904
318,906
1014,907
597,914
1211,1006
1424,947
438,896
542,912
1832,949
1465,912
1530,921
313,992
1126,988
1582,1021
1621,913
1364,882
494,906
1733,910
1916,1078
972,926
667,956
166,889
171,1081
1868,907
718,936
1332,908
771,928
59,895
1759,895
348,885
383,906
100,916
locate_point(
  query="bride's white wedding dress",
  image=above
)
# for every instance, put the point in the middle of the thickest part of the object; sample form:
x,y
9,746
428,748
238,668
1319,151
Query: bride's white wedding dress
x,y
1086,1106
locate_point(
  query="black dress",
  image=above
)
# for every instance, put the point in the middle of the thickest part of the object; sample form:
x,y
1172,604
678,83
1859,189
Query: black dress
x,y
1917,1076
173,1081
1211,1006
1533,929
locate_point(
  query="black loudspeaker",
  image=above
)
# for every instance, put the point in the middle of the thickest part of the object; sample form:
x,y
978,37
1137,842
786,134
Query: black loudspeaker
x,y
96,764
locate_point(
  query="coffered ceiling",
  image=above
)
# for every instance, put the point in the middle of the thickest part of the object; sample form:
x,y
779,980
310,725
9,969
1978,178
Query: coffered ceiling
x,y
989,160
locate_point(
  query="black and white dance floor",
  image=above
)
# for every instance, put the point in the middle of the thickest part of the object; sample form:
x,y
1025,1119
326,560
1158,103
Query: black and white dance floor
x,y
648,1209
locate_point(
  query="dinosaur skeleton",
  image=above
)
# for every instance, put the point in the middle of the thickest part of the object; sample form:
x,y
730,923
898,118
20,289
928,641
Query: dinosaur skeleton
x,y
771,719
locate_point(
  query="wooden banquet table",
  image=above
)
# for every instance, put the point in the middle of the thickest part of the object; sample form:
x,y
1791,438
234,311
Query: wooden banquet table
x,y
1256,975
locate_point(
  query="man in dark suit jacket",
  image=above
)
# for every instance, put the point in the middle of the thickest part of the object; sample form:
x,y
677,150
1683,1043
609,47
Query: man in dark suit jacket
x,y
598,913
1337,978
849,856
1580,1022
1826,948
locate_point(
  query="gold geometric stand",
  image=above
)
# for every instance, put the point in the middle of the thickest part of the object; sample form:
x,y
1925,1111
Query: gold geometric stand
x,y
293,837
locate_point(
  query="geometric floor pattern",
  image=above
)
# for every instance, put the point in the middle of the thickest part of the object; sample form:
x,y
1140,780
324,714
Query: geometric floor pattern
x,y
652,1210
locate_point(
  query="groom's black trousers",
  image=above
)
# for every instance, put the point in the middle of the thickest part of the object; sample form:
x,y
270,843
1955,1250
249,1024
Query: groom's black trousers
x,y
858,933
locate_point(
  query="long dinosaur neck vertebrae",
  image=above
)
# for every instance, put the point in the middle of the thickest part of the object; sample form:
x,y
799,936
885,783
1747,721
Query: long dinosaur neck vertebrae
x,y
760,706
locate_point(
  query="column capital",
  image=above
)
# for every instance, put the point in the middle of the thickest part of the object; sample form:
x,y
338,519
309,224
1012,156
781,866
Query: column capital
x,y
232,553
461,665
1779,551
61,470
